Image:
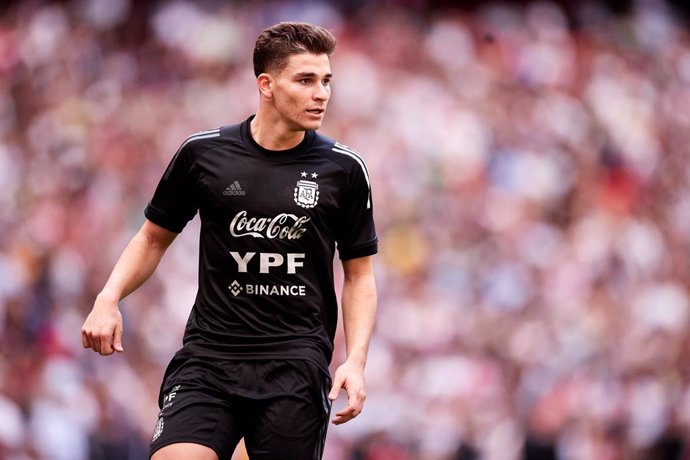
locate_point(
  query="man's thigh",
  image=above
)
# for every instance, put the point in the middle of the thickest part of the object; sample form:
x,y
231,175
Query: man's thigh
x,y
287,430
291,426
185,450
280,407
197,422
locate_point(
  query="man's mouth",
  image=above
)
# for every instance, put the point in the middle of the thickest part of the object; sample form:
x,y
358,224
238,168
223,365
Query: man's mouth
x,y
316,111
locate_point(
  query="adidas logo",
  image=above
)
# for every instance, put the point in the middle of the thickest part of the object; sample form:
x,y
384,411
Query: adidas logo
x,y
234,189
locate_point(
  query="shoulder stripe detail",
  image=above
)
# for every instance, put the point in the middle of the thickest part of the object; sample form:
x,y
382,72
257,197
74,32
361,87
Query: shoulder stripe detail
x,y
194,137
340,148
200,135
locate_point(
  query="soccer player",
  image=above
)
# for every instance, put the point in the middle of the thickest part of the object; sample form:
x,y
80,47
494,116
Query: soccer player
x,y
275,200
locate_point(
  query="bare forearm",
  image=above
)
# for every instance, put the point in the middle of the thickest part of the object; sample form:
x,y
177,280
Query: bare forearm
x,y
136,264
102,330
359,313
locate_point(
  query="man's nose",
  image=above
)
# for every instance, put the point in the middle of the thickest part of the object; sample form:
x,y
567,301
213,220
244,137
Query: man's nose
x,y
322,93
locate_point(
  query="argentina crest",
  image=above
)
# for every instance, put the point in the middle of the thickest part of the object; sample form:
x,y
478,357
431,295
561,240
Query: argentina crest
x,y
307,192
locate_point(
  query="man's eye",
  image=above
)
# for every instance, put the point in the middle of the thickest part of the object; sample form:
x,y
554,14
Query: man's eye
x,y
304,81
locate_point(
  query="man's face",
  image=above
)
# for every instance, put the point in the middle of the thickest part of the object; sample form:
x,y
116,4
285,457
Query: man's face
x,y
302,90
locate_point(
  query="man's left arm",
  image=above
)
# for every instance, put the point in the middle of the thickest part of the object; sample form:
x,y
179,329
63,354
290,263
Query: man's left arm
x,y
359,313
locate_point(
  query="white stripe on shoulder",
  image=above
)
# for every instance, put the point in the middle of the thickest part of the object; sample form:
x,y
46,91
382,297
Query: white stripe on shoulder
x,y
344,149
348,149
340,148
194,137
202,135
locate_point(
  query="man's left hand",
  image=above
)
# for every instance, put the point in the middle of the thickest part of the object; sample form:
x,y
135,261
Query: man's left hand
x,y
351,378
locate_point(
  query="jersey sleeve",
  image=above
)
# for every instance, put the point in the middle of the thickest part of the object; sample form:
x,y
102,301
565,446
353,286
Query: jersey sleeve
x,y
175,201
356,234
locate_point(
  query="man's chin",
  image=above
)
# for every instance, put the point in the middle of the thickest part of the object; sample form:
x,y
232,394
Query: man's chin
x,y
311,125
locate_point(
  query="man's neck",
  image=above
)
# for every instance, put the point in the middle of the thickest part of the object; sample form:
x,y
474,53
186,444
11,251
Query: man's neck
x,y
274,135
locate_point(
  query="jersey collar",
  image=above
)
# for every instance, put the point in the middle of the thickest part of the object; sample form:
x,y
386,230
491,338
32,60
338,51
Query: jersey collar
x,y
274,155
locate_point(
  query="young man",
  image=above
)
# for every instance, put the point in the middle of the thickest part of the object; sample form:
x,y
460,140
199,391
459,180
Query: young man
x,y
275,199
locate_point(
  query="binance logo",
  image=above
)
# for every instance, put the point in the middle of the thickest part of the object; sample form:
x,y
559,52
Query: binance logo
x,y
235,288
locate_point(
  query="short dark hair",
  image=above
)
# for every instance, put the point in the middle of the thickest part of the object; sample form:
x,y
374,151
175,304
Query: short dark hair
x,y
277,43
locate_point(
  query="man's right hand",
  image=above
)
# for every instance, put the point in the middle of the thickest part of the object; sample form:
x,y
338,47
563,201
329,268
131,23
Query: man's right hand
x,y
102,330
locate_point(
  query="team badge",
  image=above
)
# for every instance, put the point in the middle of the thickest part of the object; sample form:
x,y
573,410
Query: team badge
x,y
307,192
159,429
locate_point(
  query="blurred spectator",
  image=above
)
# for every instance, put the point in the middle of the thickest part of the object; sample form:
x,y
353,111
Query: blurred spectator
x,y
528,162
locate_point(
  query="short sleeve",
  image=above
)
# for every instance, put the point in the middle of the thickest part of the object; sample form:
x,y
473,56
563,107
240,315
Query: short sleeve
x,y
175,201
356,235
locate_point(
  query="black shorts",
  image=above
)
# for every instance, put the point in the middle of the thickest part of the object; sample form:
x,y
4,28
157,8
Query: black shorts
x,y
280,408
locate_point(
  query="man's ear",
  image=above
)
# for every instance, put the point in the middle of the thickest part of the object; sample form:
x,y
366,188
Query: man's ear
x,y
265,83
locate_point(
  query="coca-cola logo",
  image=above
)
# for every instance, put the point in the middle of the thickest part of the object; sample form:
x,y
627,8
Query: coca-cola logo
x,y
283,226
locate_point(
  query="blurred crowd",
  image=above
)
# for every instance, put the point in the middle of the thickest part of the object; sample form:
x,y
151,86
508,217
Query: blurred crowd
x,y
532,208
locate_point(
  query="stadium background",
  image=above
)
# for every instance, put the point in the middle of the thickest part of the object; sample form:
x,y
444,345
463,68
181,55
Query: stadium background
x,y
532,198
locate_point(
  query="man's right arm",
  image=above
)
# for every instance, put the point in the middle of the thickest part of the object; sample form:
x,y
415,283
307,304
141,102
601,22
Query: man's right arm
x,y
102,330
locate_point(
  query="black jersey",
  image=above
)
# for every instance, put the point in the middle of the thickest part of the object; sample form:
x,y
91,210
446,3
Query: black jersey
x,y
270,224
